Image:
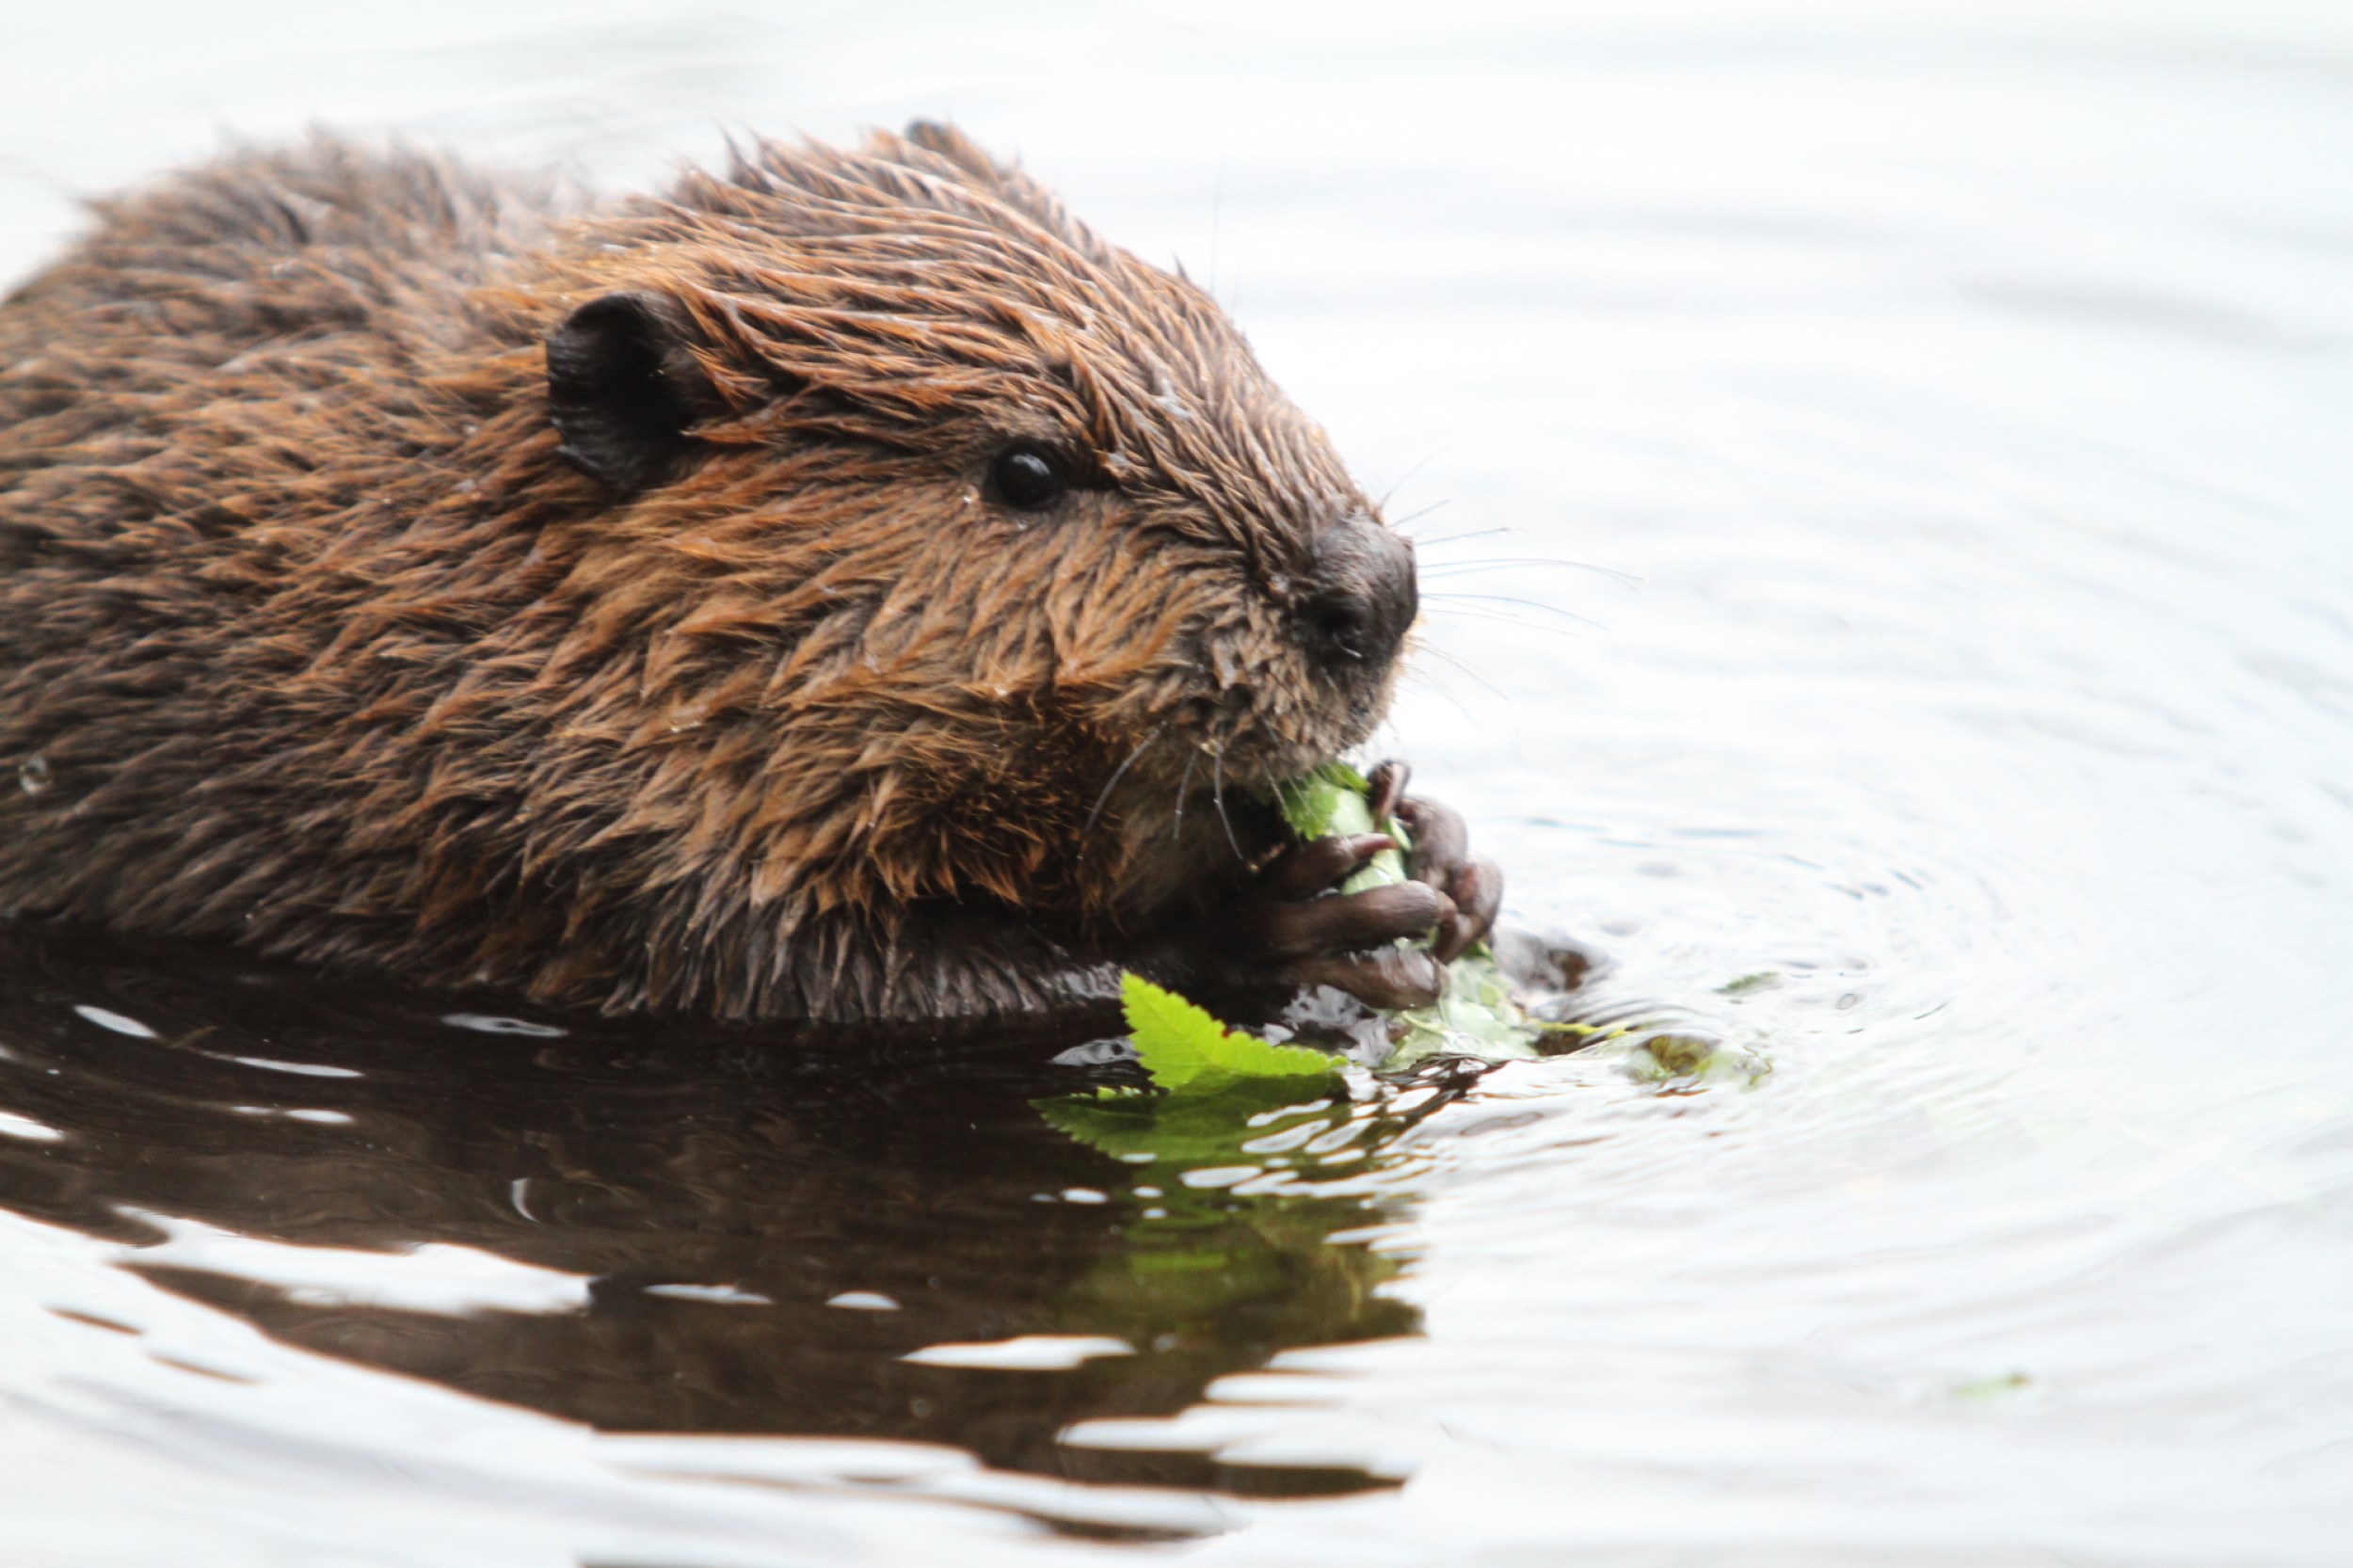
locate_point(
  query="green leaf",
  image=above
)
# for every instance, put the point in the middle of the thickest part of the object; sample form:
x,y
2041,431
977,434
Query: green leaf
x,y
1477,1016
1180,1045
1331,802
1187,1051
1308,803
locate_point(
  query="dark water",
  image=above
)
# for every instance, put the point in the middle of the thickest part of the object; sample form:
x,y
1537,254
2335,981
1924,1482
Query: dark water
x,y
667,1229
1890,468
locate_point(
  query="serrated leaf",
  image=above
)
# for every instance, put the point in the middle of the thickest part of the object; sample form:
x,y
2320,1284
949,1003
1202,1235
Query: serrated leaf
x,y
1179,1044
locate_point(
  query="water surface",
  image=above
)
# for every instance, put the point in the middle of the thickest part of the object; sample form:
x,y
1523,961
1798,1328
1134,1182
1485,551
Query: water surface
x,y
1893,475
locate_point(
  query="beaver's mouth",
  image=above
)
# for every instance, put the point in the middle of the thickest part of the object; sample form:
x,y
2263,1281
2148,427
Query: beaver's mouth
x,y
1193,796
1257,743
1272,700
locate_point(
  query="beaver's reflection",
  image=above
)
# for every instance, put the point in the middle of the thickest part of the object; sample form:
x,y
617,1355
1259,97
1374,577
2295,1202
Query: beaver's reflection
x,y
829,1204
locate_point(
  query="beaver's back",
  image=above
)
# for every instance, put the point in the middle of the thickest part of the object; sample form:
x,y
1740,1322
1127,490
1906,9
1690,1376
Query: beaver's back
x,y
197,404
298,248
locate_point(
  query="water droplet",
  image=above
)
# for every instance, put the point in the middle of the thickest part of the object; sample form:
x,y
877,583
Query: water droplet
x,y
32,775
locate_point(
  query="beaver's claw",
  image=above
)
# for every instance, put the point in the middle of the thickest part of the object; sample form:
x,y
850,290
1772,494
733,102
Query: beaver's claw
x,y
1442,857
1319,936
1314,935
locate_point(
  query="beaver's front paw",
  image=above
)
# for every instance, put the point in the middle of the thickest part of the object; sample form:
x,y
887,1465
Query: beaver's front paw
x,y
1441,858
1294,927
1314,935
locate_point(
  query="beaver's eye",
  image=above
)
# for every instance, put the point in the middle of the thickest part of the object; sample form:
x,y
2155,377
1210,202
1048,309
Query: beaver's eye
x,y
1027,478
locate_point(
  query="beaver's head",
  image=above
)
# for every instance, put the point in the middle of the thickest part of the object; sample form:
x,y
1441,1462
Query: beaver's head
x,y
941,548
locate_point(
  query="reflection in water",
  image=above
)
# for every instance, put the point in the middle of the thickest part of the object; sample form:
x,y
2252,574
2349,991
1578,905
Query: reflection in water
x,y
658,1228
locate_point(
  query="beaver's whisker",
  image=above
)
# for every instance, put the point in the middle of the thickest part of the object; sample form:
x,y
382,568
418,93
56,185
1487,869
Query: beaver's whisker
x,y
1420,512
1455,568
1525,604
1458,538
1463,613
1217,793
1184,788
1400,483
1462,664
1117,773
1430,683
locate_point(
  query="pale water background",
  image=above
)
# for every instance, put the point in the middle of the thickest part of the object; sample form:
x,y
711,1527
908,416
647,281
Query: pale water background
x,y
1959,399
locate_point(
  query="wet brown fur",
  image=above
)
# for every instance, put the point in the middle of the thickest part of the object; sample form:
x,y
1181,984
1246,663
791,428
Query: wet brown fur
x,y
310,636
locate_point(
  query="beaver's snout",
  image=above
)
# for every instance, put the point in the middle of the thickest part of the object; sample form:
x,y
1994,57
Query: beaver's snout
x,y
1360,596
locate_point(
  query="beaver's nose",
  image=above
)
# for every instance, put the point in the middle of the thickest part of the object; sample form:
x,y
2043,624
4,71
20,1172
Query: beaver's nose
x,y
1360,596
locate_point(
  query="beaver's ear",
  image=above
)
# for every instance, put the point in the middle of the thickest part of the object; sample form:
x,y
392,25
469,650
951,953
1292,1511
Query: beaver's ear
x,y
623,387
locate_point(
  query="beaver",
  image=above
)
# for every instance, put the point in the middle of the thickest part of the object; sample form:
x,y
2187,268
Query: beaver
x,y
842,586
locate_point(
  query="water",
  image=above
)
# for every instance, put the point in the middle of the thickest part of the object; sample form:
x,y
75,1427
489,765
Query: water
x,y
1954,403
